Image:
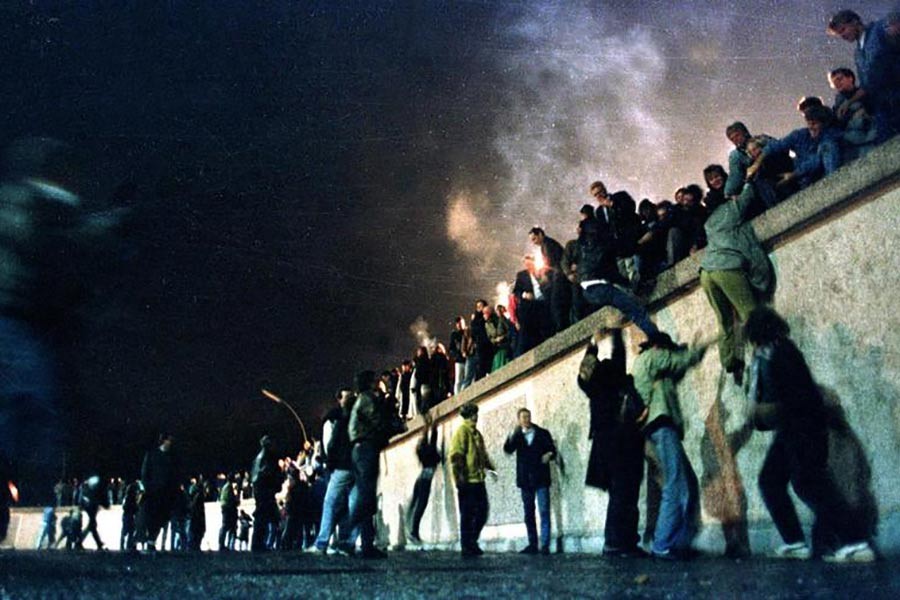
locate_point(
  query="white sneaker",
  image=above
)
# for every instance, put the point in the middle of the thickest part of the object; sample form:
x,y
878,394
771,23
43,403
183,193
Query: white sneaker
x,y
859,552
795,551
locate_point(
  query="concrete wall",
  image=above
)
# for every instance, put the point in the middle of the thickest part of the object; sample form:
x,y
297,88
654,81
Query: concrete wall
x,y
834,249
26,525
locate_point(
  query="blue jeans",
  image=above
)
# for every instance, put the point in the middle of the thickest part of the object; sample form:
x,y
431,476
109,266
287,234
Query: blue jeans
x,y
605,294
335,508
543,502
469,372
364,498
676,525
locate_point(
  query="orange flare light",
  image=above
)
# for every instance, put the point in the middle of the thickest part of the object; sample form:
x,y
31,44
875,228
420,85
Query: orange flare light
x,y
13,492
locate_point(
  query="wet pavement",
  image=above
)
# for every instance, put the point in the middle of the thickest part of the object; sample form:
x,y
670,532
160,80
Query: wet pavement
x,y
58,574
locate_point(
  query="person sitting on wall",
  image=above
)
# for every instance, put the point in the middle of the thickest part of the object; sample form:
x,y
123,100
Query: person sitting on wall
x,y
534,449
851,115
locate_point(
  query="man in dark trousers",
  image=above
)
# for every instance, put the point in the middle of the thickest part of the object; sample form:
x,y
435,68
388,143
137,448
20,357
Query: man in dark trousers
x,y
484,349
266,479
159,474
93,496
617,446
534,450
369,430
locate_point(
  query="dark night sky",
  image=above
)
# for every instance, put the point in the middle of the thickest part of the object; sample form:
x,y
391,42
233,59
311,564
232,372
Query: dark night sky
x,y
311,176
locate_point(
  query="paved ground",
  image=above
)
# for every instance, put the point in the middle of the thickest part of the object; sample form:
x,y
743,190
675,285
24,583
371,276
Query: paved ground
x,y
430,575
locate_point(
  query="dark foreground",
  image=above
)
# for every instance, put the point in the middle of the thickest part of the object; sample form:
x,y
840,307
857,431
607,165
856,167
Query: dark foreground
x,y
431,575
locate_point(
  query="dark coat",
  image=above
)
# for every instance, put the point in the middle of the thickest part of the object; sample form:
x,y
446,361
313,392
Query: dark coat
x,y
597,252
531,472
265,475
553,252
612,442
426,450
159,473
338,453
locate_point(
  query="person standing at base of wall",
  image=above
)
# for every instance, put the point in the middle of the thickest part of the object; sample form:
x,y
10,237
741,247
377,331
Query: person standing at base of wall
x,y
471,463
534,449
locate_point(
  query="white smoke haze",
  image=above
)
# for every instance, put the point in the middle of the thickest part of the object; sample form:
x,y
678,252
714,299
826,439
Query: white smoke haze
x,y
471,231
582,103
420,331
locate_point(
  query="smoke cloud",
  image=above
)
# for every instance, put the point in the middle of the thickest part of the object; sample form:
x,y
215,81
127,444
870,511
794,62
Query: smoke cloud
x,y
420,330
582,101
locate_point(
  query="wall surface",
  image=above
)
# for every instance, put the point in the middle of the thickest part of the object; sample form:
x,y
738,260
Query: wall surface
x,y
834,250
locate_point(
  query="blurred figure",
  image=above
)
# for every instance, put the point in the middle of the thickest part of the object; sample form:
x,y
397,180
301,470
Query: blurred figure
x,y
93,496
71,530
45,240
130,501
196,519
787,400
429,457
48,530
266,478
228,502
159,474
245,521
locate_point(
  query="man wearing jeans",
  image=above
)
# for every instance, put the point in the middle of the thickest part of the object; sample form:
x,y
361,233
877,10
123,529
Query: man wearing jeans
x,y
600,278
657,370
534,450
369,430
338,461
470,463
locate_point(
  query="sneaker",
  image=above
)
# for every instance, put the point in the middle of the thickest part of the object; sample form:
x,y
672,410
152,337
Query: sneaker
x,y
860,552
796,551
529,550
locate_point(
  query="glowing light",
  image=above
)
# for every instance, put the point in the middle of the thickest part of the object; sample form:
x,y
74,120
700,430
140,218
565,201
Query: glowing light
x,y
271,396
501,293
13,492
539,263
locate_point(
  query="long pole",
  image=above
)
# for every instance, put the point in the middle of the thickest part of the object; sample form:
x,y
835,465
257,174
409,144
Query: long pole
x,y
279,400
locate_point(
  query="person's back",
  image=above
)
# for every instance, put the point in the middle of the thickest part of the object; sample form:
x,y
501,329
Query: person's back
x,y
596,253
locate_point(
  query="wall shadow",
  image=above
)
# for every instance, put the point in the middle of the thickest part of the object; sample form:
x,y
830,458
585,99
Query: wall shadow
x,y
723,495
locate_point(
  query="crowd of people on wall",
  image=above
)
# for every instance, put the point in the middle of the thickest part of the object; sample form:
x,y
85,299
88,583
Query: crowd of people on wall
x,y
325,499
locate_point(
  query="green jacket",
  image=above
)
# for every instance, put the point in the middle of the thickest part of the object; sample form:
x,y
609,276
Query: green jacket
x,y
468,456
227,497
656,374
498,331
732,243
